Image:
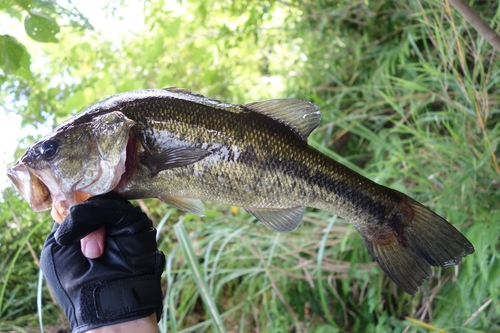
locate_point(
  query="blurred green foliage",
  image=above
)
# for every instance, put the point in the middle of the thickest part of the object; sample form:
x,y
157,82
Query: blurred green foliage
x,y
409,95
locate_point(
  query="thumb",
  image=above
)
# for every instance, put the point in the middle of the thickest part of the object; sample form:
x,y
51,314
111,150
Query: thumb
x,y
93,244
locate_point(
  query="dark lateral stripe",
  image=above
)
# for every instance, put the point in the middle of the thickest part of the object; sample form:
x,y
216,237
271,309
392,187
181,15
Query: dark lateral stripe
x,y
356,196
381,213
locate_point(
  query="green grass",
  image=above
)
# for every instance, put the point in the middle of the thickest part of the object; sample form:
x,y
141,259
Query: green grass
x,y
409,98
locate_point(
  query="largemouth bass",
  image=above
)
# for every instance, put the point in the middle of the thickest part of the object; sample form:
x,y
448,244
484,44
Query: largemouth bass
x,y
184,148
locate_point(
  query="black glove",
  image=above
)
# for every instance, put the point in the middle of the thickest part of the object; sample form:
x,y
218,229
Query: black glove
x,y
121,285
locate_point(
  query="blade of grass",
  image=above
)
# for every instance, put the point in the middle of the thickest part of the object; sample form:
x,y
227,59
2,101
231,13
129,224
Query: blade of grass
x,y
319,278
165,320
39,300
257,252
425,325
192,260
220,253
162,223
476,313
12,264
204,324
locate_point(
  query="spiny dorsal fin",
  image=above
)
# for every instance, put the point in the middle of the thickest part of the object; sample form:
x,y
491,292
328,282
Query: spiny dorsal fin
x,y
188,95
182,91
281,220
302,116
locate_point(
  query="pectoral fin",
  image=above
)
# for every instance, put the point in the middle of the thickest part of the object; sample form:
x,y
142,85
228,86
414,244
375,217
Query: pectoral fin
x,y
173,158
282,220
193,206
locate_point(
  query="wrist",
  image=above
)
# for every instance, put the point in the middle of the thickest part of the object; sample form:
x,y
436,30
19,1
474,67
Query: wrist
x,y
143,325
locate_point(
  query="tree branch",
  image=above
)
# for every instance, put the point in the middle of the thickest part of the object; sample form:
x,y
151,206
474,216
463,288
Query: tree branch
x,y
477,23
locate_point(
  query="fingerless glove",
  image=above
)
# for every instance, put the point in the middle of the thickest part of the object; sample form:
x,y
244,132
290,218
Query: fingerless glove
x,y
121,285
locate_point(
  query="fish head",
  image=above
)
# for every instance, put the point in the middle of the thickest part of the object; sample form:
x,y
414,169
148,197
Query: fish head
x,y
78,159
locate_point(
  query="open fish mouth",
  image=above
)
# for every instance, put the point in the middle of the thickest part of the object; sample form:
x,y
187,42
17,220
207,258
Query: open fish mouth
x,y
30,186
40,189
43,192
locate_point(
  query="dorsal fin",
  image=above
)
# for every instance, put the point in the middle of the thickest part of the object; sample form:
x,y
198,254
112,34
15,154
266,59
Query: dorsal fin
x,y
188,95
302,116
182,91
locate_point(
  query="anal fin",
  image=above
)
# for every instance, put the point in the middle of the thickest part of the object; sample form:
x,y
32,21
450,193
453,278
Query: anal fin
x,y
281,220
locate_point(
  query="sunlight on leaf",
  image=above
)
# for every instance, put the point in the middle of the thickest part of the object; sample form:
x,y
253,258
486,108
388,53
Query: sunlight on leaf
x,y
41,27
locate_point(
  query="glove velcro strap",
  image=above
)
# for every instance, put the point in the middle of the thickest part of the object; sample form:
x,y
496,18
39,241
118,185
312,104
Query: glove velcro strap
x,y
128,296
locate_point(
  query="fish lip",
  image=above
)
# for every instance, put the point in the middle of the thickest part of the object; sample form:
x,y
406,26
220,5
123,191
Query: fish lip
x,y
30,186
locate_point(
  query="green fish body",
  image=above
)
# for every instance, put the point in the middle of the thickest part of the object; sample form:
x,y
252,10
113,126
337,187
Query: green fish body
x,y
184,149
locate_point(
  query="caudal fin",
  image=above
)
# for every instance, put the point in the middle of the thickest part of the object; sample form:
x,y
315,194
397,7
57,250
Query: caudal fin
x,y
421,239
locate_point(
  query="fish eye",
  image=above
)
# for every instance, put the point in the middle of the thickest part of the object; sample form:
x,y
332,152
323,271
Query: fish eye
x,y
49,149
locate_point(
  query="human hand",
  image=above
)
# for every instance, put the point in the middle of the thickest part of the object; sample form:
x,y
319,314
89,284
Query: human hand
x,y
121,285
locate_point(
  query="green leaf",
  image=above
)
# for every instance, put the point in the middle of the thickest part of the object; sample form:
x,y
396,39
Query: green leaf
x,y
25,4
41,27
12,10
13,55
24,69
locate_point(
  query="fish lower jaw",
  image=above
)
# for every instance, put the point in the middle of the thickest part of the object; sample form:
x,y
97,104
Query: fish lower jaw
x,y
60,210
61,204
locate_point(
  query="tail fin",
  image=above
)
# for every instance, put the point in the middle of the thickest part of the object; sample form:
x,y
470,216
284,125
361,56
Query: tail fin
x,y
420,239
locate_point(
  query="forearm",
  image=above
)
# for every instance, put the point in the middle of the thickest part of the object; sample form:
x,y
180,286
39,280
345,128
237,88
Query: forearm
x,y
143,325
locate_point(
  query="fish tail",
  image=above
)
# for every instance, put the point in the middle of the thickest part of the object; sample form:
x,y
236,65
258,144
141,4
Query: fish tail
x,y
414,239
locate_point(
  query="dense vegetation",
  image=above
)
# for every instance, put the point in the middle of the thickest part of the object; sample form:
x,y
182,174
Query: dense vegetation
x,y
409,95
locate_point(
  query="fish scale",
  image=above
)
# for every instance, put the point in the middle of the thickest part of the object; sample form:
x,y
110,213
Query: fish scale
x,y
184,148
